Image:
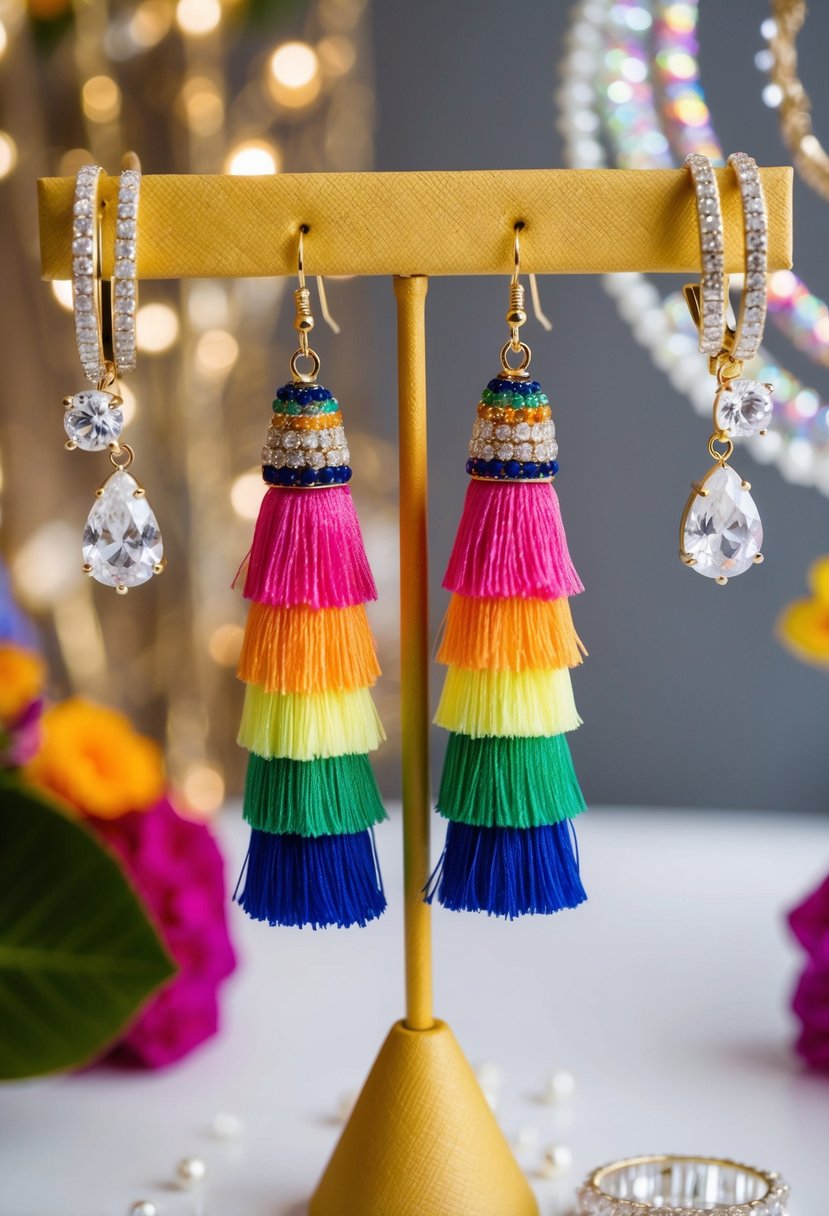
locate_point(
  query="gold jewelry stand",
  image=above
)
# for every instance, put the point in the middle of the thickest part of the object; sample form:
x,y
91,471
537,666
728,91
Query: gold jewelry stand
x,y
422,1140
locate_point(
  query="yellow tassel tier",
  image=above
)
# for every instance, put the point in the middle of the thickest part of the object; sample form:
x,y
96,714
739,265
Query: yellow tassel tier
x,y
507,704
308,650
509,635
309,727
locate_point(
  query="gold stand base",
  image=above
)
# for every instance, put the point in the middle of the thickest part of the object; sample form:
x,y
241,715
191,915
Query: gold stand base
x,y
422,1140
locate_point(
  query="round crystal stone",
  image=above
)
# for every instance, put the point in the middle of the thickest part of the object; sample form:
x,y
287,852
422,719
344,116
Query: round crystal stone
x,y
522,431
503,432
505,451
290,439
487,451
310,439
91,420
524,451
486,430
744,408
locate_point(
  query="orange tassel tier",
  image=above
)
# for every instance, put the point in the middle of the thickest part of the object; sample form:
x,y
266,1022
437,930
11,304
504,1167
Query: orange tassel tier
x,y
308,650
509,635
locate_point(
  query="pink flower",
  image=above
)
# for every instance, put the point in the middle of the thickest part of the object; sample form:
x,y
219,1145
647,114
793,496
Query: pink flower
x,y
177,869
811,1004
810,924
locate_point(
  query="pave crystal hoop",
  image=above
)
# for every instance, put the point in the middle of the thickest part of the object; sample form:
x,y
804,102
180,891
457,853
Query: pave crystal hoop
x,y
713,292
86,283
751,321
682,1186
125,285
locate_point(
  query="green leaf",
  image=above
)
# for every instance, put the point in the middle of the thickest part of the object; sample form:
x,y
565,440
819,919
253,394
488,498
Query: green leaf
x,y
78,954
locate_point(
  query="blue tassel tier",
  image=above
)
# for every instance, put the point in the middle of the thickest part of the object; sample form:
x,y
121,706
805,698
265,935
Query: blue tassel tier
x,y
508,872
318,881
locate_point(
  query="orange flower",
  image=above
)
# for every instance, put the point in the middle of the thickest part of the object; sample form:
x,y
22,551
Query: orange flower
x,y
21,681
93,759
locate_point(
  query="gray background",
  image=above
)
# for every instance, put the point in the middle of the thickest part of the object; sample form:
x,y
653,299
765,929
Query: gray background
x,y
687,697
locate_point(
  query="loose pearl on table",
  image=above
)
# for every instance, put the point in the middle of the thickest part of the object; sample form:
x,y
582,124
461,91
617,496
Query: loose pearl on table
x,y
557,1160
526,1137
560,1087
143,1207
227,1127
190,1171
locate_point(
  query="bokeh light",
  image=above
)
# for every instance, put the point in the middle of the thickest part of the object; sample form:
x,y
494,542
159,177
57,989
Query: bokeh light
x,y
203,788
198,17
225,644
294,75
246,494
101,99
252,158
216,353
62,291
8,154
156,327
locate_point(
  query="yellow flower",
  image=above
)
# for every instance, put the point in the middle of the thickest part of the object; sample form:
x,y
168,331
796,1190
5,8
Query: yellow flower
x,y
93,759
21,681
804,625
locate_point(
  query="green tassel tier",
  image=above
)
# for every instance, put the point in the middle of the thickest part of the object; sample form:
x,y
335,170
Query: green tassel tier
x,y
509,782
334,796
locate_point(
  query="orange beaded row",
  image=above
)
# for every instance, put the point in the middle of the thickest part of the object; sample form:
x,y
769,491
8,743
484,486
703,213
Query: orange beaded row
x,y
494,413
311,422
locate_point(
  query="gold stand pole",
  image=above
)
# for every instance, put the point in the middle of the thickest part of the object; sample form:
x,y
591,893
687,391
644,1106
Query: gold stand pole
x,y
414,644
421,1140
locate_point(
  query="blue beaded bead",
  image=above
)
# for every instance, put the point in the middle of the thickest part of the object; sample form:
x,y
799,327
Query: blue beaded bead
x,y
553,467
308,477
494,386
270,474
470,466
347,472
531,469
513,469
326,477
496,468
303,396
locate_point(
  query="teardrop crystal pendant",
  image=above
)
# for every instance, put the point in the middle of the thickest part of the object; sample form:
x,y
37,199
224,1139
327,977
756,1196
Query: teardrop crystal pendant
x,y
721,532
122,545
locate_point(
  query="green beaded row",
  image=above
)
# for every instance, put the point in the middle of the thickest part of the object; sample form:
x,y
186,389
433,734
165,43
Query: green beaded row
x,y
513,401
312,409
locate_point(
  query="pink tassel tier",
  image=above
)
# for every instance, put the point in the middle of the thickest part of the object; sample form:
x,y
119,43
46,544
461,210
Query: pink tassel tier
x,y
511,544
308,549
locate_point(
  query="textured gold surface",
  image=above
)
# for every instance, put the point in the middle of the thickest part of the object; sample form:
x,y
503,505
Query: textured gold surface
x,y
588,221
415,652
422,1140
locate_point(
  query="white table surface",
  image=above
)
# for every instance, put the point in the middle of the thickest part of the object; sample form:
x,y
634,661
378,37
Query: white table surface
x,y
666,996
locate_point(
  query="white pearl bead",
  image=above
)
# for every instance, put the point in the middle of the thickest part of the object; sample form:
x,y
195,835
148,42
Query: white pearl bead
x,y
561,1086
190,1171
143,1207
526,1137
227,1127
556,1160
489,1075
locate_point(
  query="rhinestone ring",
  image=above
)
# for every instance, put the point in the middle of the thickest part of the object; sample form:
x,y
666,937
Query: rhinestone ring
x,y
124,282
86,282
752,318
713,284
682,1186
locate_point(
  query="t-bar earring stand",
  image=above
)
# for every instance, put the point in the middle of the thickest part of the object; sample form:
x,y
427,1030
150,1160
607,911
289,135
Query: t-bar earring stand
x,y
421,1140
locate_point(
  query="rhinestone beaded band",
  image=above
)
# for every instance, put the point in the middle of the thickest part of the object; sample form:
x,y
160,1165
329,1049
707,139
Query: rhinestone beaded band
x,y
752,319
125,287
306,444
86,301
712,282
682,1186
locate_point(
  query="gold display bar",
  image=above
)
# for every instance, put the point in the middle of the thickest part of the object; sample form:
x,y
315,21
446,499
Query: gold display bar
x,y
577,221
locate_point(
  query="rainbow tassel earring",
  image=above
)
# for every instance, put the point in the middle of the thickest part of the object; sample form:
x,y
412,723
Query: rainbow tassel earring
x,y
308,661
508,787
